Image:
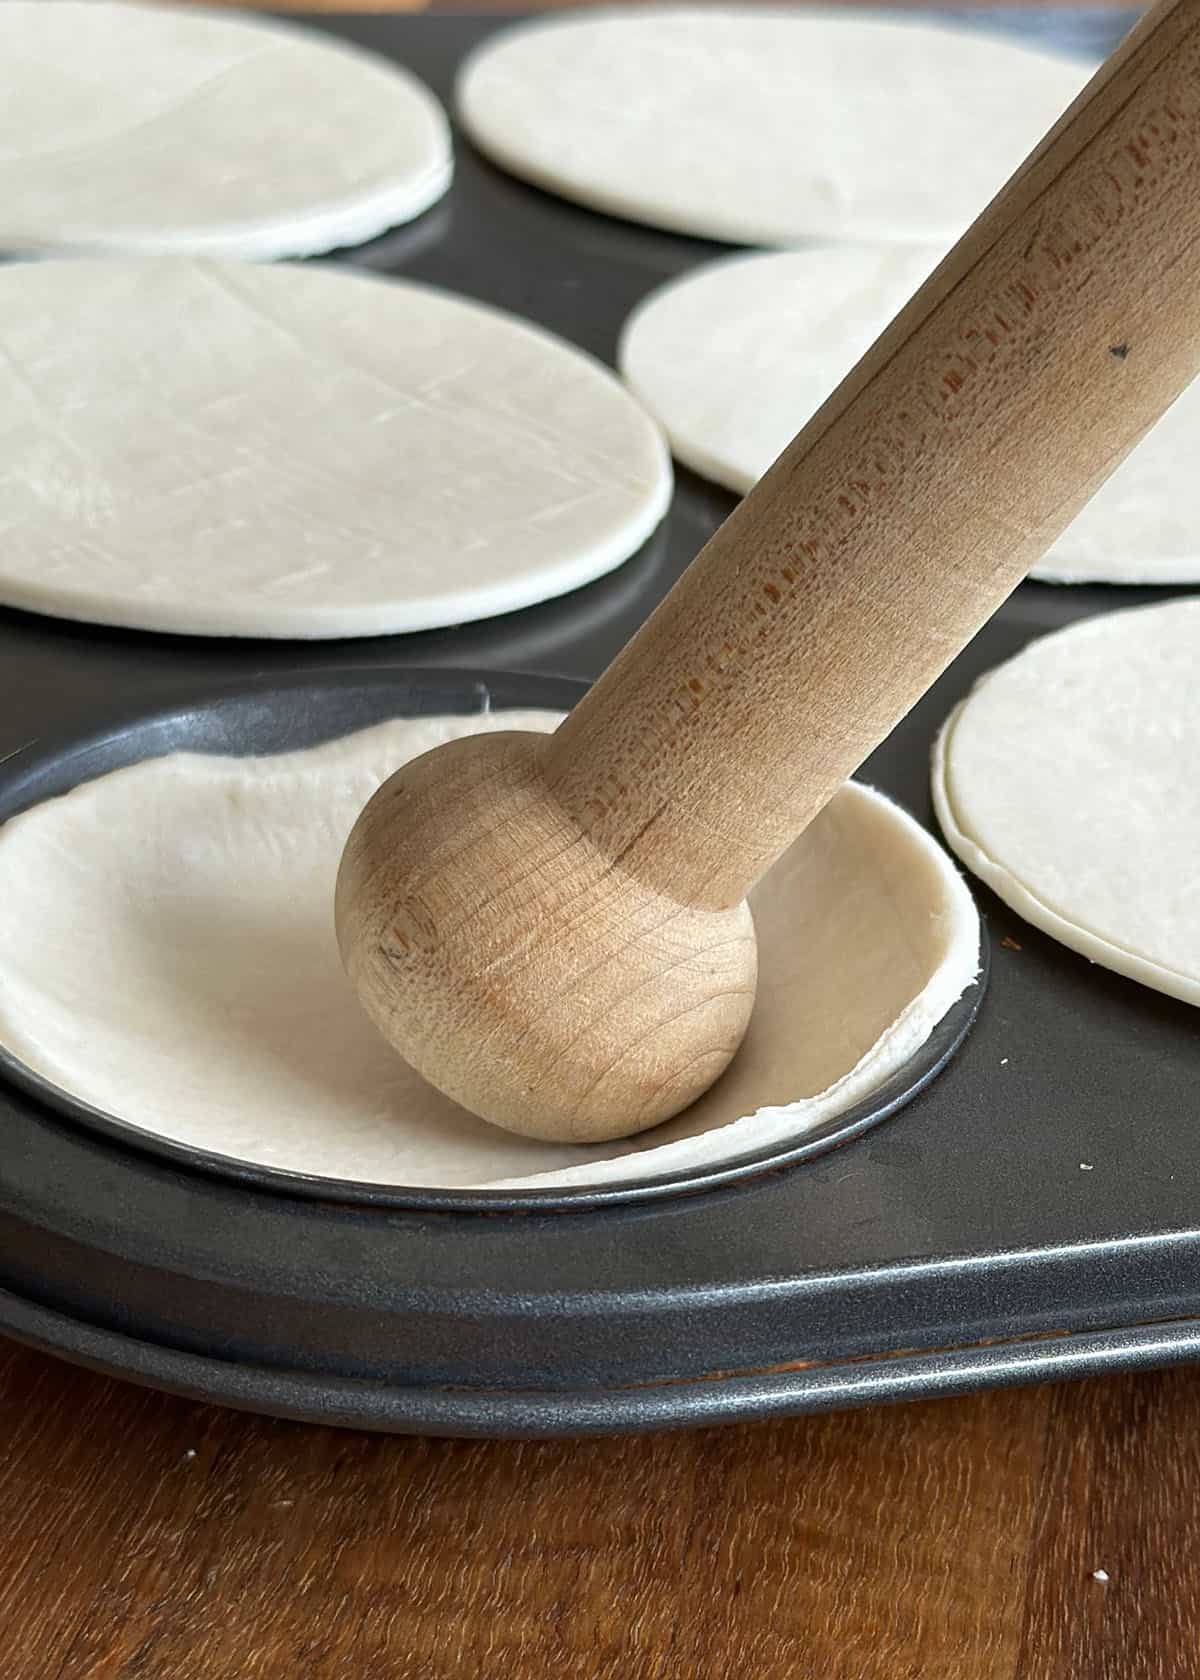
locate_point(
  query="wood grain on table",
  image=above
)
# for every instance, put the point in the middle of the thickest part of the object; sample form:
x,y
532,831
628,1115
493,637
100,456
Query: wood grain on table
x,y
145,1538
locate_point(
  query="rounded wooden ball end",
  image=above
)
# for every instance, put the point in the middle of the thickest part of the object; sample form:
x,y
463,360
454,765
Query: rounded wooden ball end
x,y
519,969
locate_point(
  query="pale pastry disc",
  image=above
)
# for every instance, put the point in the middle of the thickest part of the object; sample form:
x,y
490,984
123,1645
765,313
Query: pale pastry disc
x,y
1069,781
736,357
1143,525
232,450
169,958
131,127
764,126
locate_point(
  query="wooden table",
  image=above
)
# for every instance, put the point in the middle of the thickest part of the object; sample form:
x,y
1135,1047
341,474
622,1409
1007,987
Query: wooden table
x,y
144,1538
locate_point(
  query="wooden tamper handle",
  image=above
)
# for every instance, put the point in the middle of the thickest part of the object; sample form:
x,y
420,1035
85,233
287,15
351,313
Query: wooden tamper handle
x,y
553,929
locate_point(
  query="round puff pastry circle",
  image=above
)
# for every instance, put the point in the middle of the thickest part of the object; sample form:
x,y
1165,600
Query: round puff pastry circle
x,y
228,450
737,356
1143,524
1069,781
734,358
169,957
133,128
763,126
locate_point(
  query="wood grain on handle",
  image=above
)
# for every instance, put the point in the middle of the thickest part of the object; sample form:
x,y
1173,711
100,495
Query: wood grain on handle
x,y
1059,329
554,930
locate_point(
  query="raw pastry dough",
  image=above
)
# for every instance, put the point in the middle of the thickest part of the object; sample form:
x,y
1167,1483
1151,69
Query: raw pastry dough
x,y
733,359
169,957
1143,525
1069,781
228,450
765,126
138,128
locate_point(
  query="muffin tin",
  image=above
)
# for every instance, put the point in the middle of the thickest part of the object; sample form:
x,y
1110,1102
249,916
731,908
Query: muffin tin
x,y
1029,1215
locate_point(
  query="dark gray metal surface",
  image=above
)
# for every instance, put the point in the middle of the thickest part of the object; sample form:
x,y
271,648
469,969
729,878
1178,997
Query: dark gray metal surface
x,y
965,1230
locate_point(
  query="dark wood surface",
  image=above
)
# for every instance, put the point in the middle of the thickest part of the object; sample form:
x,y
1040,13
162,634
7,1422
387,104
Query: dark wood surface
x,y
145,1538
